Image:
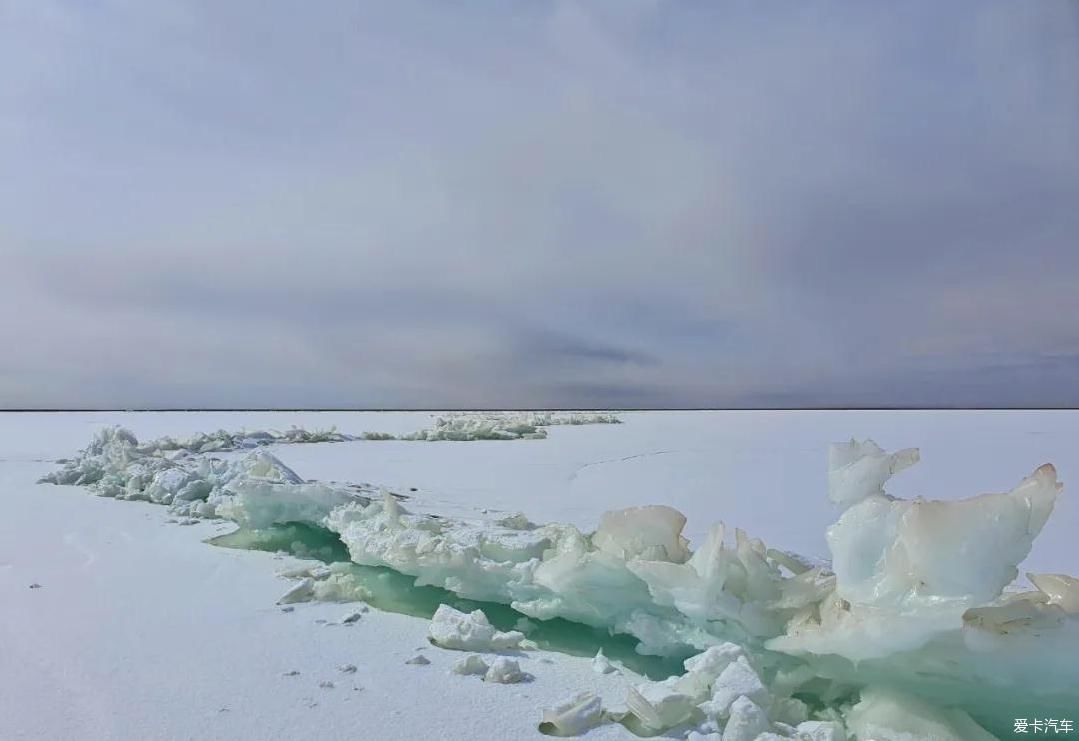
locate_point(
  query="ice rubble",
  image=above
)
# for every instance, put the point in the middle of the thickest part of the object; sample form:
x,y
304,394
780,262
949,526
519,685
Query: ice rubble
x,y
203,442
256,491
497,426
915,618
937,627
176,471
113,448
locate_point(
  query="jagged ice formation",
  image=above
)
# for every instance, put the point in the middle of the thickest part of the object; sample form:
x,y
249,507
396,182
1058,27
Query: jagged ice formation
x,y
916,628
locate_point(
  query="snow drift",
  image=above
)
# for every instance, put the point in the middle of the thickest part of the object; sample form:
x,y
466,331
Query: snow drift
x,y
916,627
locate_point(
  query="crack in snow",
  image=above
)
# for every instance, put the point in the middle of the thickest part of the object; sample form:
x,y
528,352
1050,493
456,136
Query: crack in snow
x,y
583,466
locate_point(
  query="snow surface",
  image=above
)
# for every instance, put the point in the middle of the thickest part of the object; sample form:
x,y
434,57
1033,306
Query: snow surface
x,y
750,469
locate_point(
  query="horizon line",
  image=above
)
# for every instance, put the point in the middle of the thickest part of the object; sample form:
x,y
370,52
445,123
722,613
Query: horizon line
x,y
837,408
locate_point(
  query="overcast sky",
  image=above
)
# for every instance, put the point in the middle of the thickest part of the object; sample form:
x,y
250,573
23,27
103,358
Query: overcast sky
x,y
629,203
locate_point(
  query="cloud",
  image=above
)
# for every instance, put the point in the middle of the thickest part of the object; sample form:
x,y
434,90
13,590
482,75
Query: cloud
x,y
541,204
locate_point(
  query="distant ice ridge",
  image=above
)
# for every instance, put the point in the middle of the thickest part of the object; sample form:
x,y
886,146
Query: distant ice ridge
x,y
170,470
173,472
916,629
112,448
496,426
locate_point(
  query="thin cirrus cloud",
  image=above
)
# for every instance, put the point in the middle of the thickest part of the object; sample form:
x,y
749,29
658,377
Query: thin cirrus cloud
x,y
561,204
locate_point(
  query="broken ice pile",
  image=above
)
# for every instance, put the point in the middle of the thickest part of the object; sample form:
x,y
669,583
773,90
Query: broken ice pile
x,y
916,627
175,473
496,426
913,610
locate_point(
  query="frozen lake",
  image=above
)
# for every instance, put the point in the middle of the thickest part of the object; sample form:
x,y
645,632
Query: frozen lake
x,y
140,630
762,471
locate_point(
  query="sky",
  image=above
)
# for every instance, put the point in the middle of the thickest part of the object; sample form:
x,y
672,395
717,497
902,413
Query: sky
x,y
449,204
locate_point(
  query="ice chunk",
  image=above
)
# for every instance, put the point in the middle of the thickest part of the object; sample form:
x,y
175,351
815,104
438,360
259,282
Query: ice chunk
x,y
747,721
258,504
714,661
737,680
453,629
907,572
110,451
894,552
573,716
504,670
516,521
303,591
888,715
418,660
302,572
857,470
265,467
469,665
478,560
1061,589
789,710
660,705
165,485
652,533
719,583
601,664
